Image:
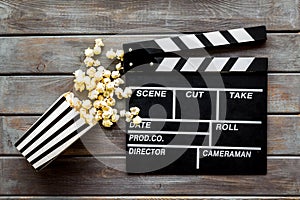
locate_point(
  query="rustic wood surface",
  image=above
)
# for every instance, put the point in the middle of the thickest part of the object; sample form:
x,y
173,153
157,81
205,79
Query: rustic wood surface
x,y
42,43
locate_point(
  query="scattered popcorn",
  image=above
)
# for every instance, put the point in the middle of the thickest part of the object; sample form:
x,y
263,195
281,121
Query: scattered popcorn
x,y
106,73
96,63
86,104
91,72
99,42
93,94
119,66
102,85
106,123
122,113
111,54
137,120
89,52
134,110
120,54
115,118
97,50
115,74
88,61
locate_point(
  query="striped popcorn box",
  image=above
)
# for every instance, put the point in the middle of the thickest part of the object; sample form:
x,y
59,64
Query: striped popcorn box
x,y
51,134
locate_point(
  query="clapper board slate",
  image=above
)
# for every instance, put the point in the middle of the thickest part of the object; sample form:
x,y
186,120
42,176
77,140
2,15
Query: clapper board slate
x,y
201,115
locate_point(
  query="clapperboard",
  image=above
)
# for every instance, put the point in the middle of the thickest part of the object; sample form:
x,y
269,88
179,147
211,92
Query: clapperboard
x,y
201,115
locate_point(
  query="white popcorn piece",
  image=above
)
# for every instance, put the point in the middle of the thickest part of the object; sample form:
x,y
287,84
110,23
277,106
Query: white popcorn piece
x,y
97,50
122,113
99,42
88,61
101,69
111,54
107,123
79,86
100,87
137,120
82,112
128,115
134,110
115,74
119,66
106,81
92,85
107,114
76,104
106,73
93,111
91,72
127,92
89,52
96,63
93,94
110,86
111,101
97,104
86,104
120,54
115,118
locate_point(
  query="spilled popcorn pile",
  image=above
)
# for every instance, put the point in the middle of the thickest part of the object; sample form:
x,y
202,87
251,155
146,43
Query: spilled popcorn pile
x,y
101,84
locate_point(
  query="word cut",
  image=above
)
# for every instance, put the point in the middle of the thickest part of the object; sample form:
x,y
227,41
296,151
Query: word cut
x,y
194,94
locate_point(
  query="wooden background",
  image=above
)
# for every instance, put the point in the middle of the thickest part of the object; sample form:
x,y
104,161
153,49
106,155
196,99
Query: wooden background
x,y
41,44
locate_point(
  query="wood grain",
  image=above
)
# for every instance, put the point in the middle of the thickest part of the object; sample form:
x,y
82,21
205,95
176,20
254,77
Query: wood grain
x,y
34,94
43,17
87,176
283,137
42,55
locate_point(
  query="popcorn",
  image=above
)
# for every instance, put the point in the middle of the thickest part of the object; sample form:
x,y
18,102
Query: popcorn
x,y
115,74
93,111
100,87
110,86
106,123
111,101
106,73
115,118
96,63
101,84
91,72
97,50
134,110
89,52
91,85
88,61
120,54
99,42
93,94
119,66
137,120
87,104
106,81
127,92
122,113
118,82
97,104
110,54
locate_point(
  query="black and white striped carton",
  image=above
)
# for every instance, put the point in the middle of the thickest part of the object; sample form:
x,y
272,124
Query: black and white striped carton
x,y
207,64
51,134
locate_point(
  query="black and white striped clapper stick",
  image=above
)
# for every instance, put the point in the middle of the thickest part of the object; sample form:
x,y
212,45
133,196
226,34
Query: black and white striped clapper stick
x,y
201,40
51,134
209,64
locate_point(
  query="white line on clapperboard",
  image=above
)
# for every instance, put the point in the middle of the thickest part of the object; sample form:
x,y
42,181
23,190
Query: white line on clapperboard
x,y
209,133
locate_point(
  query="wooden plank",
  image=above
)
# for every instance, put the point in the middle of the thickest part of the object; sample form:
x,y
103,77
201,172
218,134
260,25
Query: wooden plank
x,y
41,17
144,197
64,54
34,94
86,176
283,134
